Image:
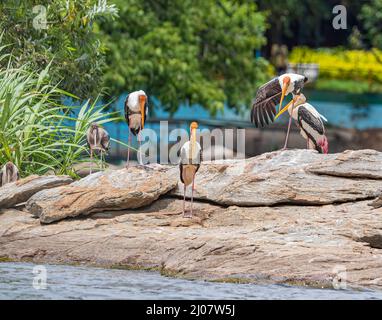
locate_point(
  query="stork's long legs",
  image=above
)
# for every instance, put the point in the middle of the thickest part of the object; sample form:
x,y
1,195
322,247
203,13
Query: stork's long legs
x,y
287,135
139,154
184,201
192,193
91,160
128,151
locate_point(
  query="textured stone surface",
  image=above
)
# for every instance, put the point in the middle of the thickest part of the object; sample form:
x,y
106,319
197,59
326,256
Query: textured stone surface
x,y
323,223
20,191
109,190
304,245
291,176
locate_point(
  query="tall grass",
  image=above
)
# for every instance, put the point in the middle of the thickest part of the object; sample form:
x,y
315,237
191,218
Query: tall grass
x,y
37,132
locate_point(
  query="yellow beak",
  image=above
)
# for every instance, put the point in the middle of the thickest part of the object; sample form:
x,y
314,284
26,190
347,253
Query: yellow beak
x,y
284,109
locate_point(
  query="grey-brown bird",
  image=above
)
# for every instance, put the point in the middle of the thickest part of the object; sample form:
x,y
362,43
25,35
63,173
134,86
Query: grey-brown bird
x,y
9,173
98,140
136,108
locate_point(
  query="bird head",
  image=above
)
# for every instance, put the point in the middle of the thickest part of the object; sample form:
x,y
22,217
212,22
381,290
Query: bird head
x,y
142,103
285,85
94,126
9,166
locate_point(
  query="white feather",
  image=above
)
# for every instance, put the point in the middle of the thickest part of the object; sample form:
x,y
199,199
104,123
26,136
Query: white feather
x,y
323,118
133,100
293,77
185,156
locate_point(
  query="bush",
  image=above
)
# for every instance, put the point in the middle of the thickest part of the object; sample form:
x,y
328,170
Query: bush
x,y
341,64
37,132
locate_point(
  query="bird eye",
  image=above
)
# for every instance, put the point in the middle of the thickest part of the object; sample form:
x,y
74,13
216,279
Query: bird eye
x,y
305,79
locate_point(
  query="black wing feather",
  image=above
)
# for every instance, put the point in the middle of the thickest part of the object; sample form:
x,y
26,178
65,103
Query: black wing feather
x,y
305,115
264,106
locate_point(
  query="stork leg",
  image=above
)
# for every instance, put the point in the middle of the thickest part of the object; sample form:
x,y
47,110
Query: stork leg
x,y
91,160
184,201
101,160
139,154
128,151
192,193
287,135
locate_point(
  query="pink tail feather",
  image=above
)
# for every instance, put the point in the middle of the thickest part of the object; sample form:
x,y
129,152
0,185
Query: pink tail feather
x,y
324,144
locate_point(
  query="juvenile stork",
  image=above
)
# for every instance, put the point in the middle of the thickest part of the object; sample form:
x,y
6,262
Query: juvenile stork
x,y
9,173
98,140
271,94
190,159
136,108
309,120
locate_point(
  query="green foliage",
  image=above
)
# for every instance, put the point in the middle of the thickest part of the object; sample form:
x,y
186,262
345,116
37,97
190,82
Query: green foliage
x,y
371,16
69,38
35,133
288,19
186,51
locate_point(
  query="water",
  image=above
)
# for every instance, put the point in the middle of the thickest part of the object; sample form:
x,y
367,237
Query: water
x,y
69,282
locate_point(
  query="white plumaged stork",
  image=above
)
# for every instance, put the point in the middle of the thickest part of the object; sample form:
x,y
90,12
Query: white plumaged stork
x,y
190,160
136,108
309,120
98,140
9,173
271,94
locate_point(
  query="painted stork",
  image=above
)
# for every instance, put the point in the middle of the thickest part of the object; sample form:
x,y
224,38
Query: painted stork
x,y
98,140
9,173
190,160
309,120
273,93
136,108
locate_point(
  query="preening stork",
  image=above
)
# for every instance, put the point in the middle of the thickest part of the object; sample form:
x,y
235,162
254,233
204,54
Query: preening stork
x,y
271,94
9,173
98,140
309,120
136,108
190,160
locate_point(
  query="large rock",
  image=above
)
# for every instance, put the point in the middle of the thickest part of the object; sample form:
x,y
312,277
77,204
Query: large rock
x,y
20,191
291,176
304,245
109,190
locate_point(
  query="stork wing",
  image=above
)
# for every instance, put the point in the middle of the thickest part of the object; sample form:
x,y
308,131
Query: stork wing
x,y
89,137
105,141
267,98
312,124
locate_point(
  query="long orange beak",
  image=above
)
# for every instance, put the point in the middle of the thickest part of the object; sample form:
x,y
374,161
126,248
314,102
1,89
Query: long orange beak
x,y
286,83
193,128
142,101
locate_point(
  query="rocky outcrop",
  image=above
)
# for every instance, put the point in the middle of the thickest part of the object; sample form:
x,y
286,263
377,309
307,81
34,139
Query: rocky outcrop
x,y
293,217
292,176
304,245
20,191
109,190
